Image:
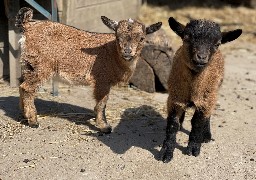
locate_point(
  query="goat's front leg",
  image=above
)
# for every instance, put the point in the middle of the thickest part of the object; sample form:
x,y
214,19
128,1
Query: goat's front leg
x,y
27,106
101,97
101,120
200,133
173,125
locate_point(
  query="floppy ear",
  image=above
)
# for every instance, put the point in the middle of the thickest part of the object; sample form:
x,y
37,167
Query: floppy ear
x,y
230,35
177,27
109,23
153,28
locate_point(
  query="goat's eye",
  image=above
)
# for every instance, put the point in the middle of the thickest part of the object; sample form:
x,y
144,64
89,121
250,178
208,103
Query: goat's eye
x,y
217,45
120,39
142,39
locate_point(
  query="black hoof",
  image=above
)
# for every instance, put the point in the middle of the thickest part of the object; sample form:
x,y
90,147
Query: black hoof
x,y
34,125
106,130
208,140
193,149
167,158
166,154
207,137
24,122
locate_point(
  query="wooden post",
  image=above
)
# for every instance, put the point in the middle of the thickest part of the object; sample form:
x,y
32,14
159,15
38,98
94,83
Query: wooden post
x,y
12,7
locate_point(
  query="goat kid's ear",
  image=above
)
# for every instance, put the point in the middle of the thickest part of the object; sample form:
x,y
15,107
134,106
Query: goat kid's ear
x,y
109,23
153,28
230,35
177,27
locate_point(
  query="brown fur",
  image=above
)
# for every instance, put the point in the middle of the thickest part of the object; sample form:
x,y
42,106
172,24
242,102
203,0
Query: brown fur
x,y
201,88
81,58
196,75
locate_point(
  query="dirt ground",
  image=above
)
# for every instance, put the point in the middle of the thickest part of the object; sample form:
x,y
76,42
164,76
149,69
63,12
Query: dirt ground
x,y
68,146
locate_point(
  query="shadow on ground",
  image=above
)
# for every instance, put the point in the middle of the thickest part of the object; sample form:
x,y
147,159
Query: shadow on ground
x,y
10,106
140,127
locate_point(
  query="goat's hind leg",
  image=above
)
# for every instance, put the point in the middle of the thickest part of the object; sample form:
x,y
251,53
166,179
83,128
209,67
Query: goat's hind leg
x,y
31,81
200,133
27,106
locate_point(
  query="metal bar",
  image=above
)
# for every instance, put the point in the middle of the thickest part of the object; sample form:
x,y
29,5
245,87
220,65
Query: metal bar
x,y
54,11
55,83
39,8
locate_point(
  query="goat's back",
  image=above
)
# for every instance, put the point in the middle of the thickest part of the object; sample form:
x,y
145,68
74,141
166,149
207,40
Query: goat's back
x,y
71,52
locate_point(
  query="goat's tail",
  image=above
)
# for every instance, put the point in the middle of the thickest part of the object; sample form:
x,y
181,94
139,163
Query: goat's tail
x,y
24,15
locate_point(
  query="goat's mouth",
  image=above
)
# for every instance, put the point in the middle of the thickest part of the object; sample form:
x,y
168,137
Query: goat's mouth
x,y
199,64
127,57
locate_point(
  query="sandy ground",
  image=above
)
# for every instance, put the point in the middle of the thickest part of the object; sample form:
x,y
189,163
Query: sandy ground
x,y
68,146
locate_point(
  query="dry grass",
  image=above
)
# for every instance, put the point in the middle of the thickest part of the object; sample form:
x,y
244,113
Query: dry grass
x,y
228,17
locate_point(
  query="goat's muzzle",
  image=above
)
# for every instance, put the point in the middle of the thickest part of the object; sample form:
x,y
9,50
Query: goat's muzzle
x,y
200,60
127,54
127,57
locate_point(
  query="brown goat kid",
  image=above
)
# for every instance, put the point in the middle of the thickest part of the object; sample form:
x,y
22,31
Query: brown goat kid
x,y
196,75
50,49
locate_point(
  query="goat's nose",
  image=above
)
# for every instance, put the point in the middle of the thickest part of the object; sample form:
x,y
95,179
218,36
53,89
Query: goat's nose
x,y
201,56
127,51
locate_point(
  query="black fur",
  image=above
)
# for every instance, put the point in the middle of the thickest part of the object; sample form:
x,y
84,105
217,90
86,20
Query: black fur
x,y
154,27
200,133
230,35
202,31
173,125
202,37
177,27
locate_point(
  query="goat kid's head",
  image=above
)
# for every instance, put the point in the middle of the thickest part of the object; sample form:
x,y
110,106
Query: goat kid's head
x,y
130,35
201,39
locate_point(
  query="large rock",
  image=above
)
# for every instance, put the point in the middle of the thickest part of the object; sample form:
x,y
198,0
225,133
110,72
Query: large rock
x,y
157,54
143,77
159,61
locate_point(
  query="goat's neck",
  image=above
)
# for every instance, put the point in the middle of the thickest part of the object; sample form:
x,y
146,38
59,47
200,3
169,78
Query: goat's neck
x,y
127,68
